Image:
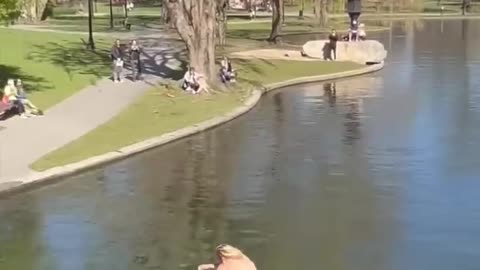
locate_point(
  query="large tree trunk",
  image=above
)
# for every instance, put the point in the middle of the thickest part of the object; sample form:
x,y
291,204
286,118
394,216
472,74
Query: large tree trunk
x,y
277,13
195,22
222,22
32,10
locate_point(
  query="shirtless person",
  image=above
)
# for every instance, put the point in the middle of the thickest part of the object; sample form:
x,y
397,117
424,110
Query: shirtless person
x,y
230,258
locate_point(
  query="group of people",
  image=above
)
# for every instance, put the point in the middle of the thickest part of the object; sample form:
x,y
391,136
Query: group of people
x,y
191,79
15,97
118,56
354,34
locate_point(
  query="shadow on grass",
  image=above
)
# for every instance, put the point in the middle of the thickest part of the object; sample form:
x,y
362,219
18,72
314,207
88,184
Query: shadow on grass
x,y
168,62
32,83
74,58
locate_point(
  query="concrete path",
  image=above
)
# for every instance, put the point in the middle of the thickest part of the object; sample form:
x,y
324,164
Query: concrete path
x,y
23,141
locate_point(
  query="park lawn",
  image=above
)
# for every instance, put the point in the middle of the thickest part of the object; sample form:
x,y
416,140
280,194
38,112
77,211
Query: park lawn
x,y
165,109
53,66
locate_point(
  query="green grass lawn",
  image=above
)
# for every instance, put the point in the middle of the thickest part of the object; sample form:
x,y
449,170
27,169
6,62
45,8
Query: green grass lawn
x,y
165,109
53,66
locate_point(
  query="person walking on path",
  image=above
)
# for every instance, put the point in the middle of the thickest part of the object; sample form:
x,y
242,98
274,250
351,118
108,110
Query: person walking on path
x,y
230,258
117,61
135,62
333,38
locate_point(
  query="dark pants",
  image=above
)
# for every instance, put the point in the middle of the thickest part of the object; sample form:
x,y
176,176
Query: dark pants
x,y
19,106
136,69
333,51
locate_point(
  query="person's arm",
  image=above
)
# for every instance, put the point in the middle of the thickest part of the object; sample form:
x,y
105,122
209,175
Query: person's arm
x,y
206,267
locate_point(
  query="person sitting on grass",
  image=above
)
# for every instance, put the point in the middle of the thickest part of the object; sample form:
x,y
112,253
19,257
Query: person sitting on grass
x,y
22,96
10,96
190,81
227,73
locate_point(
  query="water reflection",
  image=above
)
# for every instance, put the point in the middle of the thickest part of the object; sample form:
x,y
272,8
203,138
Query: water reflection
x,y
363,173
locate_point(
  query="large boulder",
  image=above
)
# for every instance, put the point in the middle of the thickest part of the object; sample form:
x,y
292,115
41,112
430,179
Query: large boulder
x,y
363,52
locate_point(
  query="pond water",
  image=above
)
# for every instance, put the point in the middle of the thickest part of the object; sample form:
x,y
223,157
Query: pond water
x,y
370,173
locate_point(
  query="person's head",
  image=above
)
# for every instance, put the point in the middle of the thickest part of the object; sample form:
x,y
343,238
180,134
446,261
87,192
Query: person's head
x,y
19,82
227,252
354,22
134,42
11,82
191,69
334,31
117,42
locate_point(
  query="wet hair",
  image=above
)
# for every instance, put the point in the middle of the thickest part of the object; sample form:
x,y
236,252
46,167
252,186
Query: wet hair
x,y
225,251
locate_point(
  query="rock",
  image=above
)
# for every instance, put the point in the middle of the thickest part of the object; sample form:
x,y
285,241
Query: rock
x,y
363,52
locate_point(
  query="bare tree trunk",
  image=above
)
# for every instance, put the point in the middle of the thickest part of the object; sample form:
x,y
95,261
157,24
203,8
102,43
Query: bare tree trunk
x,y
277,14
195,22
222,22
32,9
323,12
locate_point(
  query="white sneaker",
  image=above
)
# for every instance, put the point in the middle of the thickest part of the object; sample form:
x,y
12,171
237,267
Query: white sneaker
x,y
24,116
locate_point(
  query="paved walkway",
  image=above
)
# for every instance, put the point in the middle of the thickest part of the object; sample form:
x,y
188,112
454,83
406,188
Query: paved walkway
x,y
23,141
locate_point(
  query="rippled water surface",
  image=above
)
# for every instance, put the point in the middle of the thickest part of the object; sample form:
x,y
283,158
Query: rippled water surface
x,y
370,173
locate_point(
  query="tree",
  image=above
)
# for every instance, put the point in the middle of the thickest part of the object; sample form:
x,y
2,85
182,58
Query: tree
x,y
9,10
32,9
277,13
195,22
321,14
222,21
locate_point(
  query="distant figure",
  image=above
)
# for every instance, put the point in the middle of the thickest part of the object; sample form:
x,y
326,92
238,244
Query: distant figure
x,y
347,36
230,258
130,6
354,31
10,96
117,61
252,13
227,73
22,96
362,34
135,62
190,81
333,38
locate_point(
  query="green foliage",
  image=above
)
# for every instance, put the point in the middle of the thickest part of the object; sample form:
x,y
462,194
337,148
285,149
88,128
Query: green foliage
x,y
9,10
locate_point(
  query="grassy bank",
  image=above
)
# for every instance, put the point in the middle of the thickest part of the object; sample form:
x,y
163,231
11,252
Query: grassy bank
x,y
53,66
165,109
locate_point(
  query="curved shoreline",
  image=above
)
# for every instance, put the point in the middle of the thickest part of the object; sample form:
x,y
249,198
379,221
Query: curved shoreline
x,y
57,173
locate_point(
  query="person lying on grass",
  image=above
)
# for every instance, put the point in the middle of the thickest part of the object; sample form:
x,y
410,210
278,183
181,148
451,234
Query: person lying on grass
x,y
30,108
10,96
227,73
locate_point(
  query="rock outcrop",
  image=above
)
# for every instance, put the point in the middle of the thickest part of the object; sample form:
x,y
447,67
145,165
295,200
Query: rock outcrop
x,y
363,52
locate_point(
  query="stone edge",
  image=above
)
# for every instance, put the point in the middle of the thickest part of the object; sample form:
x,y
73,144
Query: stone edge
x,y
56,173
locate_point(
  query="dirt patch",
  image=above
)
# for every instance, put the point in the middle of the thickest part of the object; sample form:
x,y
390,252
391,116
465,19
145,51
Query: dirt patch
x,y
294,55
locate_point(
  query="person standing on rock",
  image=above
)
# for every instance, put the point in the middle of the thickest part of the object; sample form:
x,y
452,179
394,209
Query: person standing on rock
x,y
135,62
333,38
230,258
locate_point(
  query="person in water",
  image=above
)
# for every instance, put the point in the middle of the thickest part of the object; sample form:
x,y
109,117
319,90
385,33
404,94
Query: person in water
x,y
230,258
